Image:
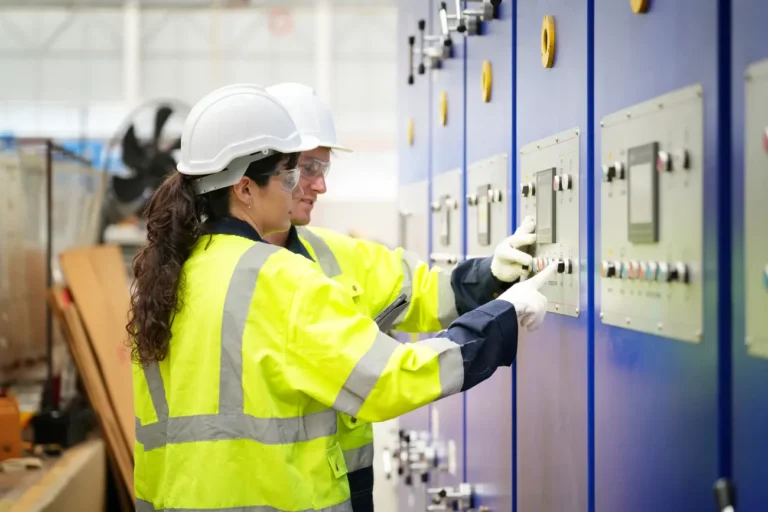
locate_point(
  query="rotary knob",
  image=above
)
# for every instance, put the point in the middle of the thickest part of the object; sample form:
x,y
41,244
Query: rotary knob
x,y
566,182
634,270
651,271
560,266
528,189
556,184
678,272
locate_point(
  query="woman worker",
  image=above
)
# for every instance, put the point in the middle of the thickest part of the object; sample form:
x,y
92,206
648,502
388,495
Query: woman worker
x,y
245,351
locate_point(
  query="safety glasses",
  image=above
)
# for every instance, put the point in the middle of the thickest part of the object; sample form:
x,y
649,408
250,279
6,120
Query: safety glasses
x,y
312,168
290,178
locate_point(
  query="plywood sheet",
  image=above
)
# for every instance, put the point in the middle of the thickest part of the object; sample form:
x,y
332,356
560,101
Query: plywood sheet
x,y
119,452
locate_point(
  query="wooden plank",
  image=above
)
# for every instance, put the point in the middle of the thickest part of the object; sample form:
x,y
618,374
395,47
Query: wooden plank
x,y
96,278
93,380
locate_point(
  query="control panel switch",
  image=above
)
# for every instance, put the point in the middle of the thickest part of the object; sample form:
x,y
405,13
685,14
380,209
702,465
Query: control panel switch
x,y
566,182
663,274
607,269
652,271
557,185
634,270
609,173
663,162
561,266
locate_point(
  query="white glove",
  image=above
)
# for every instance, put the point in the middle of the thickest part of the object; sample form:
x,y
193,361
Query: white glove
x,y
530,304
508,261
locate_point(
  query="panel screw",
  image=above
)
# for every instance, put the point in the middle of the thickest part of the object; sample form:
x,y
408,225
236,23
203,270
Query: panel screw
x,y
602,315
578,311
659,326
557,307
557,139
699,335
748,340
629,115
602,124
628,320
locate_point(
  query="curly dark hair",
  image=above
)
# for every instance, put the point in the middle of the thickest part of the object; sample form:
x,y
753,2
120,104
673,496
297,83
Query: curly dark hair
x,y
176,218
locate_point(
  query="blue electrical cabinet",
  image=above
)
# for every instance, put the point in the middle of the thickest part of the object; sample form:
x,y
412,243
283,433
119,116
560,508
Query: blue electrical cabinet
x,y
551,113
656,417
446,74
749,88
414,122
489,111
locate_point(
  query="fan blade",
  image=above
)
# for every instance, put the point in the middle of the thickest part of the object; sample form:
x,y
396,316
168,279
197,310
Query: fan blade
x,y
161,116
133,154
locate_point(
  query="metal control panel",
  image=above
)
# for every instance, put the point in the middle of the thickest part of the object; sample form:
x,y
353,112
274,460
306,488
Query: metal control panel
x,y
651,218
413,215
756,209
447,219
549,192
487,205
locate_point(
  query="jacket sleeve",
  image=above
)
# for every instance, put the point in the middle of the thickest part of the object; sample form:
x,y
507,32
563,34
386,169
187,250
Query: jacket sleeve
x,y
341,359
434,297
474,284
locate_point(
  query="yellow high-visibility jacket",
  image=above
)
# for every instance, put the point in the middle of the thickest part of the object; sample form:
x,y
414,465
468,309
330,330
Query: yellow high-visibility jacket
x,y
264,351
377,276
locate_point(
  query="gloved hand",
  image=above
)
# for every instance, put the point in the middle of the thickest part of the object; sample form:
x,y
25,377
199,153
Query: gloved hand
x,y
508,261
530,304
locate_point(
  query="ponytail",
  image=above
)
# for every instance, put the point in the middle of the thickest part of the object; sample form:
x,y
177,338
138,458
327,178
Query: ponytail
x,y
174,218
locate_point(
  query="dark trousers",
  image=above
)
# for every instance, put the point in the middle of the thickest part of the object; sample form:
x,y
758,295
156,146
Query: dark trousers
x,y
361,489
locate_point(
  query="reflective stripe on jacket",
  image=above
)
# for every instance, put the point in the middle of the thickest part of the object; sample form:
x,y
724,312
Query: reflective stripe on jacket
x,y
240,414
376,276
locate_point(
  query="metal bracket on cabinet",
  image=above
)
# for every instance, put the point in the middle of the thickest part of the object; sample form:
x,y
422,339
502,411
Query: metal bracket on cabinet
x,y
448,498
438,50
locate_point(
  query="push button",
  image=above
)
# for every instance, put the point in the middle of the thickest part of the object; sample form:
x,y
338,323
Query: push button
x,y
663,273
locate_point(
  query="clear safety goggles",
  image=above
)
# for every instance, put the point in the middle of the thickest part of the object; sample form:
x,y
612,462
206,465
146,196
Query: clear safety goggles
x,y
289,178
312,168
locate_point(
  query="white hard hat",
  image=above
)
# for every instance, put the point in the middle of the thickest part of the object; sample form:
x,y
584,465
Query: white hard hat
x,y
230,128
311,114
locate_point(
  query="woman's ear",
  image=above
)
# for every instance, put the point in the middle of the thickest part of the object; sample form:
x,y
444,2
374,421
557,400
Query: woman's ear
x,y
243,191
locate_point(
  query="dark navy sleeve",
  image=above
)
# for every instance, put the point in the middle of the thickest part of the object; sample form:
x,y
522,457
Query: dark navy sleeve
x,y
474,284
488,340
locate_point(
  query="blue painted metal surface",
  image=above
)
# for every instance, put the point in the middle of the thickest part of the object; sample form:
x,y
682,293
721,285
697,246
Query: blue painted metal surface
x,y
447,155
414,166
552,362
489,440
413,99
750,374
656,399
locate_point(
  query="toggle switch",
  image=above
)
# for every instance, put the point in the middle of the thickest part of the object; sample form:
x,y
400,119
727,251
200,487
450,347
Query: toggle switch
x,y
566,182
560,266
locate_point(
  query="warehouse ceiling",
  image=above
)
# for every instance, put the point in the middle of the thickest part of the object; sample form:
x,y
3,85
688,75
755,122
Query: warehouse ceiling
x,y
179,3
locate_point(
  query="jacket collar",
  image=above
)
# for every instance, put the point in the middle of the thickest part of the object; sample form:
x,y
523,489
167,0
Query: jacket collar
x,y
237,227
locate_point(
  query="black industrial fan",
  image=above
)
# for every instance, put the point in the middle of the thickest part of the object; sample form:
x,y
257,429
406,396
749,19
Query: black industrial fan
x,y
146,146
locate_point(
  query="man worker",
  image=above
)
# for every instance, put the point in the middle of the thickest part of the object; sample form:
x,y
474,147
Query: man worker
x,y
393,286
